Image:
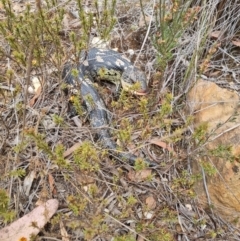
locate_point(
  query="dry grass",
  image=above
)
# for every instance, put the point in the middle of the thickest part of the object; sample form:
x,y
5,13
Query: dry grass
x,y
111,201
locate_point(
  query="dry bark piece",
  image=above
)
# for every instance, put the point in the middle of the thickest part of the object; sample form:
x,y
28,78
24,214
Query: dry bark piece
x,y
30,224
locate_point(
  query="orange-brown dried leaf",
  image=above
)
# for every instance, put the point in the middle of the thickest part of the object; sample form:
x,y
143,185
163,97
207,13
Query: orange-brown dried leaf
x,y
162,144
73,148
35,97
151,202
215,34
139,176
51,182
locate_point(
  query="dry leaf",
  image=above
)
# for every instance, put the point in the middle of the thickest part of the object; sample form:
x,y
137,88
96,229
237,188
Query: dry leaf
x,y
74,24
73,148
236,43
35,97
139,176
179,229
131,175
65,22
37,90
32,89
162,144
141,22
151,202
51,182
65,236
36,83
27,183
30,224
140,238
84,178
77,121
215,34
39,202
144,174
215,73
148,215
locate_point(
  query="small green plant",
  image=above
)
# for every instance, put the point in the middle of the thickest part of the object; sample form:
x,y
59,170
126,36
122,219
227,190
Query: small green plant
x,y
105,18
172,19
18,173
206,61
223,151
161,235
56,155
143,108
76,102
40,141
127,237
77,204
58,119
87,157
20,147
140,164
125,131
208,167
169,215
131,200
93,190
26,33
200,133
166,108
59,159
90,101
125,101
96,226
5,214
186,180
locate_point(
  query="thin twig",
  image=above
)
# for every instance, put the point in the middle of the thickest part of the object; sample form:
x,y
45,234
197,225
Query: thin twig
x,y
28,79
147,34
127,227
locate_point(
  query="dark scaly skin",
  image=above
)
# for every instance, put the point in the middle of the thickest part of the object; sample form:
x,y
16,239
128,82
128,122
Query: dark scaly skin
x,y
96,109
111,66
